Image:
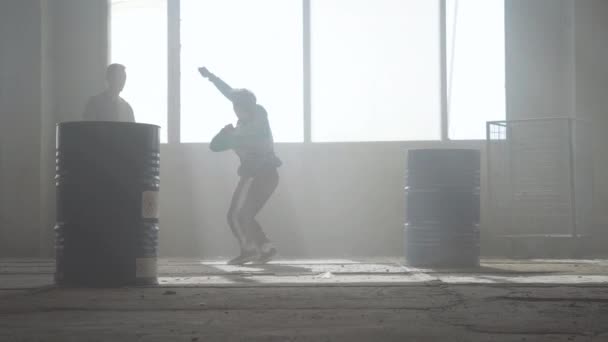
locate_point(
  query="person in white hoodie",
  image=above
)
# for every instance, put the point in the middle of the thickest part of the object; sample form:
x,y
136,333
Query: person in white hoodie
x,y
253,143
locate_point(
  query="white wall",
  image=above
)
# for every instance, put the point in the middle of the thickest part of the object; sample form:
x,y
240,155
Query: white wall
x,y
75,55
556,67
20,110
332,200
539,58
52,57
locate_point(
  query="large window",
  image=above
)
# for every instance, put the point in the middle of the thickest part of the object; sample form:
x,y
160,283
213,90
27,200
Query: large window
x,y
475,66
375,70
139,41
326,70
254,44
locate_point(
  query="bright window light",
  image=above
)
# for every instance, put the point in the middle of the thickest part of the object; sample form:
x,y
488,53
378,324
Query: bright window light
x,y
476,66
249,44
139,41
375,70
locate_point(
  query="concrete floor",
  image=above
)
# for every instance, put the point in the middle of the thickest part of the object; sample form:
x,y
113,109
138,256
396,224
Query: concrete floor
x,y
315,300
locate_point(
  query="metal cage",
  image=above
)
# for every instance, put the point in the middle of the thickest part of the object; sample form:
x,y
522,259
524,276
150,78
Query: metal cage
x,y
540,179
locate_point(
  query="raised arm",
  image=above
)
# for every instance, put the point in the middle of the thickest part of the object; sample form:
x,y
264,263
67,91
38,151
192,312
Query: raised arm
x,y
222,86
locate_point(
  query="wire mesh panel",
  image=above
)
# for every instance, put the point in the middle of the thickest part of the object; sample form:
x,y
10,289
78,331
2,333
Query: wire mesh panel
x,y
539,177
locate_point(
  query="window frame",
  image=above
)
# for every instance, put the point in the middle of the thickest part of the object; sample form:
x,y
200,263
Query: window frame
x,y
174,70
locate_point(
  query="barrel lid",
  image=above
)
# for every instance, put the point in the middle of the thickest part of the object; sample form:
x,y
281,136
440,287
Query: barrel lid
x,y
443,154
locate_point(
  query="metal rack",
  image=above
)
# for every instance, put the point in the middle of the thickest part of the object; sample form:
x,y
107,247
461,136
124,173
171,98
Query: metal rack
x,y
540,178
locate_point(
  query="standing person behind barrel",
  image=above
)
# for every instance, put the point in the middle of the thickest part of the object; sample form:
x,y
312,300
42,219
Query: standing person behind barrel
x,y
109,106
252,141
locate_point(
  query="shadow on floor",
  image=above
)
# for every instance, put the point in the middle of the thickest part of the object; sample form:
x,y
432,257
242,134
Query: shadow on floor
x,y
490,270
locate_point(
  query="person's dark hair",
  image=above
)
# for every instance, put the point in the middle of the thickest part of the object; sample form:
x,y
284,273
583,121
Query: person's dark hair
x,y
243,97
113,69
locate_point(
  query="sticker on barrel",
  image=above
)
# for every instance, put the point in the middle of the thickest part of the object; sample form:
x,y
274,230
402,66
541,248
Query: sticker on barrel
x,y
149,205
145,268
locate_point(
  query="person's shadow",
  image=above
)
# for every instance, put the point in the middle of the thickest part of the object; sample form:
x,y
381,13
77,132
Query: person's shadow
x,y
281,269
242,274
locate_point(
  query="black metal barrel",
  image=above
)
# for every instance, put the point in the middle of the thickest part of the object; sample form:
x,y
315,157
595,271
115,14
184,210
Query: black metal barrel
x,y
108,178
442,211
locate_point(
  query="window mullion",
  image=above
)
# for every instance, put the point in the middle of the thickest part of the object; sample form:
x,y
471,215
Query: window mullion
x,y
307,71
173,69
443,71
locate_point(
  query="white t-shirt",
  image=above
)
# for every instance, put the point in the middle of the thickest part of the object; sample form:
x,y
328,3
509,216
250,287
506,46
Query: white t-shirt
x,y
104,107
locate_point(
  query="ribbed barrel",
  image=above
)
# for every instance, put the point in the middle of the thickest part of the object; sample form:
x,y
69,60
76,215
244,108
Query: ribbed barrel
x,y
108,178
442,212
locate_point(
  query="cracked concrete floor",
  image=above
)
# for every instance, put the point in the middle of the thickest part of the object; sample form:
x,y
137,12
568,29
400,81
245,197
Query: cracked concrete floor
x,y
315,300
